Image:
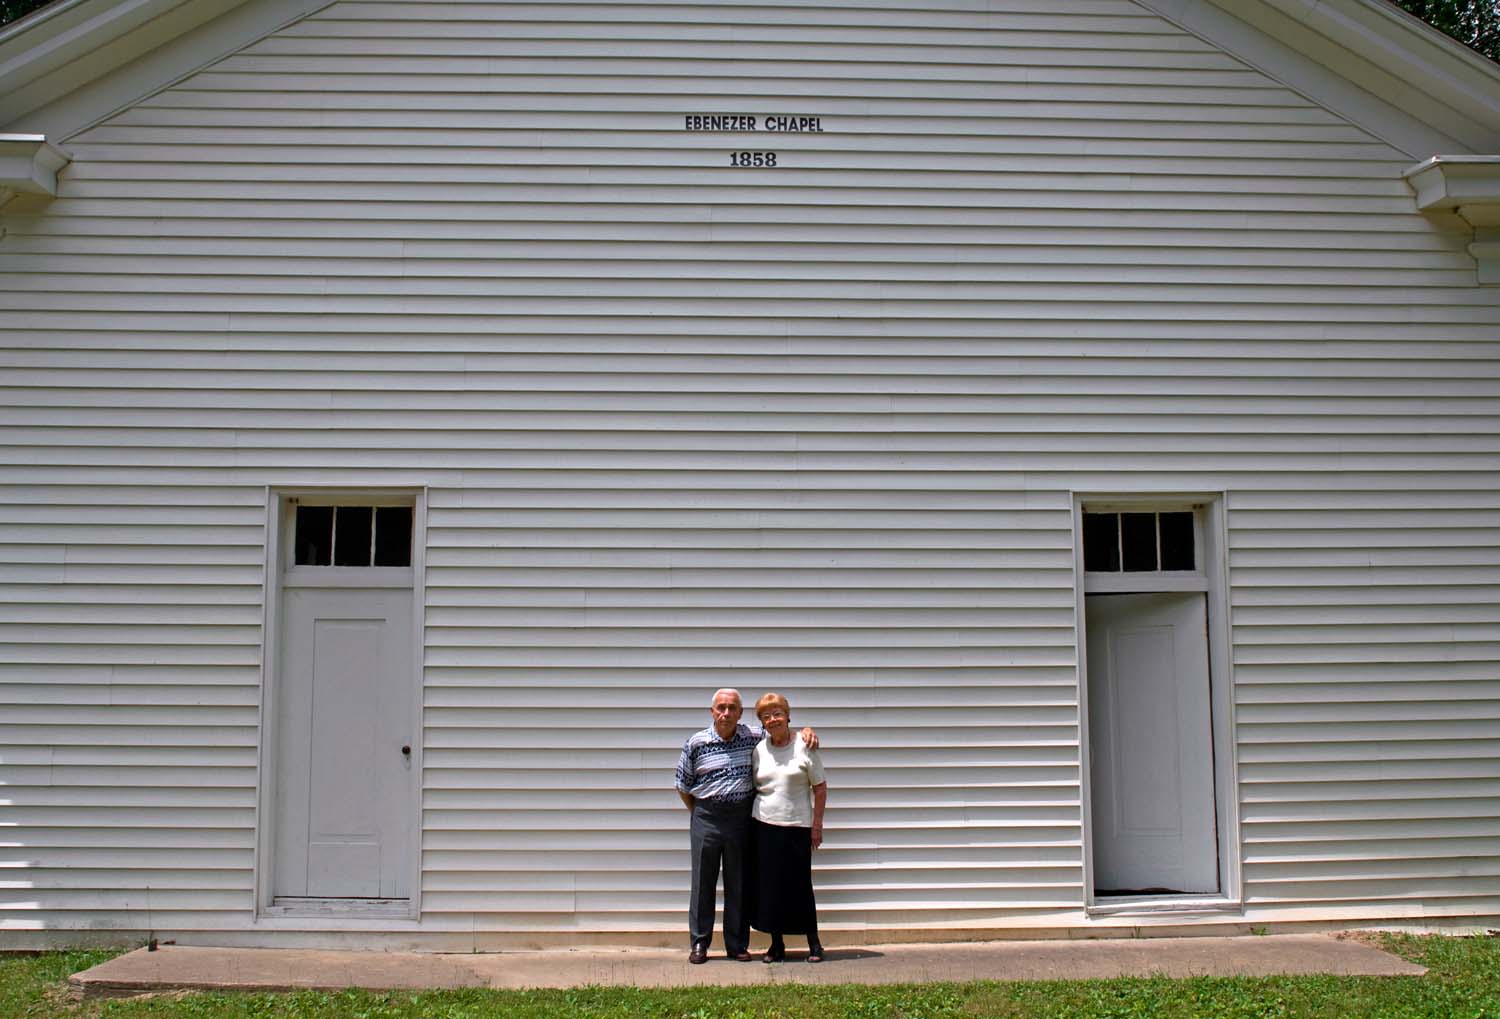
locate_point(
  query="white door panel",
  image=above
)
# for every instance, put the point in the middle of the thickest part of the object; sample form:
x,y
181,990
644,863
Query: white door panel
x,y
345,790
1151,744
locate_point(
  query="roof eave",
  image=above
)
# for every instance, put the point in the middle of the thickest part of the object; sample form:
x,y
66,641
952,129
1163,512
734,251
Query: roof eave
x,y
1409,49
73,43
1365,60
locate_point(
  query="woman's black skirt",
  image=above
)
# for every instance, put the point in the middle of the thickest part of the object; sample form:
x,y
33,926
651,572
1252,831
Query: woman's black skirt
x,y
780,886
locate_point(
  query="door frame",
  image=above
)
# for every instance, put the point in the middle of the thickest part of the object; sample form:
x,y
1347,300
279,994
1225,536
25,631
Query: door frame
x,y
1211,530
278,550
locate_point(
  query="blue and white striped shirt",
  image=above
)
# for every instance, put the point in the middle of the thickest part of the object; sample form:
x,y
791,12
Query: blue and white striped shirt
x,y
716,770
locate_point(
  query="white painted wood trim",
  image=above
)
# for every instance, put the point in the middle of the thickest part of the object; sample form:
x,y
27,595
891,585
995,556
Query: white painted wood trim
x,y
1080,645
72,43
270,645
1326,73
1402,44
29,164
1144,583
189,37
1468,186
59,33
418,699
1222,699
1213,533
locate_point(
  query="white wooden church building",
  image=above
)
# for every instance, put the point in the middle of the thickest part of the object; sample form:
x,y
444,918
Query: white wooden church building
x,y
1086,413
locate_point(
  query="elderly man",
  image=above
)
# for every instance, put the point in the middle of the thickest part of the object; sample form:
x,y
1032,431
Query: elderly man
x,y
717,784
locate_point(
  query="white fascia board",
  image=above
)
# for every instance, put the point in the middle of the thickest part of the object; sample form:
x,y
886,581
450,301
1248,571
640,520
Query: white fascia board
x,y
64,30
1289,47
29,165
1397,45
180,39
57,58
54,41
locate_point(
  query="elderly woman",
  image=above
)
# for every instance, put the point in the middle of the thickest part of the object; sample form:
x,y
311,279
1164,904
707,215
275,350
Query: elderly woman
x,y
786,826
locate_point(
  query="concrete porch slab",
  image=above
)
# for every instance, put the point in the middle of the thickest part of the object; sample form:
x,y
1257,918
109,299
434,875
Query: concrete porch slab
x,y
174,968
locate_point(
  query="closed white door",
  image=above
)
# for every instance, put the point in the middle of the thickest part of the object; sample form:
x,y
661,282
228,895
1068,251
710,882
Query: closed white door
x,y
345,784
1151,744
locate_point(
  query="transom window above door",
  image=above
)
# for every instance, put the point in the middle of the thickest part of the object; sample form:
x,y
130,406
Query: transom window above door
x,y
1139,542
1130,546
351,535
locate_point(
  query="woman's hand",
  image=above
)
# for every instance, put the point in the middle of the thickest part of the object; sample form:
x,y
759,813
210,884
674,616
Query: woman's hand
x,y
817,835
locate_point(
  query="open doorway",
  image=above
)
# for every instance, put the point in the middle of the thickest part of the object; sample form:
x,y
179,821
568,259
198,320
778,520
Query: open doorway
x,y
1159,788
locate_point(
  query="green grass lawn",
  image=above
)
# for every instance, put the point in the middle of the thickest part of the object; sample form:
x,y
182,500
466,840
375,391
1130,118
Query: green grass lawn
x,y
1463,982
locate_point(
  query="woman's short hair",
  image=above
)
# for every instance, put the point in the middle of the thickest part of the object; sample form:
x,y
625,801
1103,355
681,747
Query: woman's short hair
x,y
772,700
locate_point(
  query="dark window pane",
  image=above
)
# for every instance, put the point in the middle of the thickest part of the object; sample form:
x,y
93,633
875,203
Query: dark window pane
x,y
1101,542
314,530
351,536
393,536
1177,541
1138,538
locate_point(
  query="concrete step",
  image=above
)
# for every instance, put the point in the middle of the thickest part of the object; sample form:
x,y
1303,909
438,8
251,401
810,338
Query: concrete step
x,y
181,968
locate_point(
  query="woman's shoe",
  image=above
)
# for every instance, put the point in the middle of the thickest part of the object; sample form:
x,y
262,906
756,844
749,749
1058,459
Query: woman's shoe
x,y
814,951
776,953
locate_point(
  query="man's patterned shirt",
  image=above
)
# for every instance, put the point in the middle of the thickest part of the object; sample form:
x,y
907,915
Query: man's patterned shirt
x,y
718,770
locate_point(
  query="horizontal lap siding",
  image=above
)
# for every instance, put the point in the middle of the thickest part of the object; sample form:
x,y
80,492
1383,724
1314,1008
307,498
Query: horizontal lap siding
x,y
946,696
811,429
1367,631
130,622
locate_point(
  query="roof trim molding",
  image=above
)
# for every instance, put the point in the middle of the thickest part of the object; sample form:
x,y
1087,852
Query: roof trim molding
x,y
1399,43
63,45
93,58
72,64
1407,83
1468,187
29,165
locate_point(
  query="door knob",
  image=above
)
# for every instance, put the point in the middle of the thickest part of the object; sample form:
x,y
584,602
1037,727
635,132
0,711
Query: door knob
x,y
406,750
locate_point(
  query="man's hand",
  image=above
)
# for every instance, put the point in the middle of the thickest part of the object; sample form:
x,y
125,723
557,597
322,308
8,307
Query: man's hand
x,y
809,737
687,799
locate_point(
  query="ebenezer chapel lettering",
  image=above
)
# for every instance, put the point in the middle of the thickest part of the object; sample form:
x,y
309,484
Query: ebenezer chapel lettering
x,y
746,122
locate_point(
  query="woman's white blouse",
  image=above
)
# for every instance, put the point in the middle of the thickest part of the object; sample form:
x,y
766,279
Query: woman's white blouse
x,y
784,777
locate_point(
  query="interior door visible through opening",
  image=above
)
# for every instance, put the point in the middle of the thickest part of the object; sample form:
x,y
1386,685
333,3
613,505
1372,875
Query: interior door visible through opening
x,y
1151,744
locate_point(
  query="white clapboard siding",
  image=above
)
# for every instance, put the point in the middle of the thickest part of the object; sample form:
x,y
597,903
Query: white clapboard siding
x,y
682,426
1367,706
